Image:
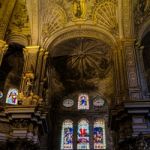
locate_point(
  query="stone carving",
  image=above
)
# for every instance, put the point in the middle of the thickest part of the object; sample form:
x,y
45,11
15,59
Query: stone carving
x,y
30,100
54,19
79,8
20,123
141,13
20,20
144,6
105,16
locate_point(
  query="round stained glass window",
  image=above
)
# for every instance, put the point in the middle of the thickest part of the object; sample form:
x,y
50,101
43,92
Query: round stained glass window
x,y
98,102
68,103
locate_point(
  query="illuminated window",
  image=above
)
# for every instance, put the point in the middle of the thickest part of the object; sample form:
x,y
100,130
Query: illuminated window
x,y
67,135
12,96
83,101
83,135
99,134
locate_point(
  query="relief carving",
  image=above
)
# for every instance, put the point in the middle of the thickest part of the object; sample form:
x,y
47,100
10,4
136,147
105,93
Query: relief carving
x,y
105,16
132,77
54,19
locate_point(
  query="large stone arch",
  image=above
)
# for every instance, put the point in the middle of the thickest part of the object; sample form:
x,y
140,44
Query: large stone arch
x,y
87,31
80,31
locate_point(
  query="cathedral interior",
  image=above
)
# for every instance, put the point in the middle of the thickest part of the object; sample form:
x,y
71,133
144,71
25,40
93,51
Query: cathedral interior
x,y
74,74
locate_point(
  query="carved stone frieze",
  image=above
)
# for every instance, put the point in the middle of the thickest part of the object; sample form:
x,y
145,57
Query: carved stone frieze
x,y
132,73
21,124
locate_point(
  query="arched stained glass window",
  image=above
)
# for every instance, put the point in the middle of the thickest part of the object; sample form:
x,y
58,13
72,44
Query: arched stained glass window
x,y
12,96
83,135
99,134
83,101
67,135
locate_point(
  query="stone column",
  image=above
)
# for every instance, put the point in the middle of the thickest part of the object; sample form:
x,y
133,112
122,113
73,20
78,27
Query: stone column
x,y
120,75
129,50
43,71
3,49
132,70
39,69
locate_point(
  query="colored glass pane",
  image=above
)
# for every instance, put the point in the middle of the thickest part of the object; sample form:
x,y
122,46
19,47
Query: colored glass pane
x,y
83,101
12,96
67,135
83,135
99,134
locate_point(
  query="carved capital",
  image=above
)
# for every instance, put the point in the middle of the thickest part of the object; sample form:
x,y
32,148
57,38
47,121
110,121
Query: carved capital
x,y
3,49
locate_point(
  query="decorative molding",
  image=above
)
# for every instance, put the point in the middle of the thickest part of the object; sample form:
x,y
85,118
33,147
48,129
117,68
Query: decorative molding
x,y
80,31
18,38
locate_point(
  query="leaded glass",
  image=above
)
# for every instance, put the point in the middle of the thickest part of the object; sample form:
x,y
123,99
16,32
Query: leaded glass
x,y
99,134
83,101
12,96
67,135
83,135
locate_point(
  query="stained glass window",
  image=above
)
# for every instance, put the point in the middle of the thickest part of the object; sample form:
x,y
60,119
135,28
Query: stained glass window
x,y
83,101
83,135
12,96
67,135
99,134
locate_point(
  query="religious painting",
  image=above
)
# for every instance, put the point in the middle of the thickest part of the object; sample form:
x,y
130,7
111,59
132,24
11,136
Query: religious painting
x,y
99,134
12,97
83,135
67,135
83,101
